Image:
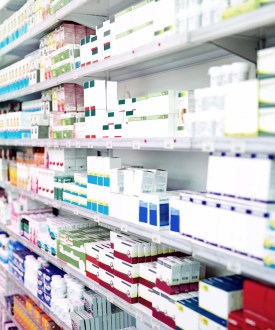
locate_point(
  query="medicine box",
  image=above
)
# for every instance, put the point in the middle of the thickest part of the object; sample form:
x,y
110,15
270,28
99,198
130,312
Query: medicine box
x,y
228,291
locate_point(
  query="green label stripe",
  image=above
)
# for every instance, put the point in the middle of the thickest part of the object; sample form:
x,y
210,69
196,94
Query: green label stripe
x,y
142,118
137,28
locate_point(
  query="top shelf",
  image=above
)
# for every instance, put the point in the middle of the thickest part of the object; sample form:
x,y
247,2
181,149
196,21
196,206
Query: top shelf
x,y
164,54
89,13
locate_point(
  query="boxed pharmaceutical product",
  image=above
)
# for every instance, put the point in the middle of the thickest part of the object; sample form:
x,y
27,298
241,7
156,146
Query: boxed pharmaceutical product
x,y
126,271
265,63
148,274
145,295
125,290
228,291
266,121
240,172
187,314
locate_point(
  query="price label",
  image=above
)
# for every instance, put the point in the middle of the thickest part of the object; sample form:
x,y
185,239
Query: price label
x,y
96,218
91,286
75,75
169,144
91,145
124,228
139,316
208,146
111,298
33,143
234,267
238,146
76,211
77,144
68,144
56,205
156,238
136,145
109,144
55,145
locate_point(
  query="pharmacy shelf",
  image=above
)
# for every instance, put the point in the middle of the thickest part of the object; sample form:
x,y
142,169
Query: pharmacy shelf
x,y
39,303
162,54
89,13
236,145
140,312
230,260
11,317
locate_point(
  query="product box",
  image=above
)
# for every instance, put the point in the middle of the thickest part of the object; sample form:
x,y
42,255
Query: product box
x,y
240,172
265,63
187,314
235,320
266,121
126,271
226,290
125,290
241,108
148,274
145,295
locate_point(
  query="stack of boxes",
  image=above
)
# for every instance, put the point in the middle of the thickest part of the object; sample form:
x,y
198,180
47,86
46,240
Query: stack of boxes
x,y
71,245
98,189
257,312
231,197
218,297
99,313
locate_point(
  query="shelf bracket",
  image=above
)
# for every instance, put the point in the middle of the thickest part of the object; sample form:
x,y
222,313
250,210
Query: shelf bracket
x,y
241,46
85,19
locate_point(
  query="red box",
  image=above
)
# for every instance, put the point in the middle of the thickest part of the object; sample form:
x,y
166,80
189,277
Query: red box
x,y
146,303
235,320
254,297
253,321
269,325
270,305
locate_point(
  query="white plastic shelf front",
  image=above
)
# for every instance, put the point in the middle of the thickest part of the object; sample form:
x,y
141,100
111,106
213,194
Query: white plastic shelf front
x,y
140,312
236,145
178,50
228,259
39,303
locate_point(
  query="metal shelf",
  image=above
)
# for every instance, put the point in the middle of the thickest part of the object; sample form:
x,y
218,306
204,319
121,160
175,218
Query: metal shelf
x,y
137,310
229,259
39,303
237,145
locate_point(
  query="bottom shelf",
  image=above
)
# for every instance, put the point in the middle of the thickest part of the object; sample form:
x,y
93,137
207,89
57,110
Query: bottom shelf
x,y
11,317
35,299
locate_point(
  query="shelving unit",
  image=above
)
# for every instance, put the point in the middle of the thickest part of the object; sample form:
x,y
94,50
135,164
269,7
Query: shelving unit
x,y
140,312
39,303
159,56
180,50
230,260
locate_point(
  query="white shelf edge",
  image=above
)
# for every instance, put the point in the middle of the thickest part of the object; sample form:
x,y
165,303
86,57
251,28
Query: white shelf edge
x,y
43,306
132,309
205,144
248,266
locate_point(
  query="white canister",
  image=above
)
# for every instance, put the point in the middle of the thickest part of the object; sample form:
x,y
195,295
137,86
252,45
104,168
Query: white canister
x,y
240,71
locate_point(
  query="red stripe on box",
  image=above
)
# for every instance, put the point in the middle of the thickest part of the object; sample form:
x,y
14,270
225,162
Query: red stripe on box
x,y
107,268
164,319
125,277
125,297
92,260
146,283
175,289
125,257
92,277
106,285
145,302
